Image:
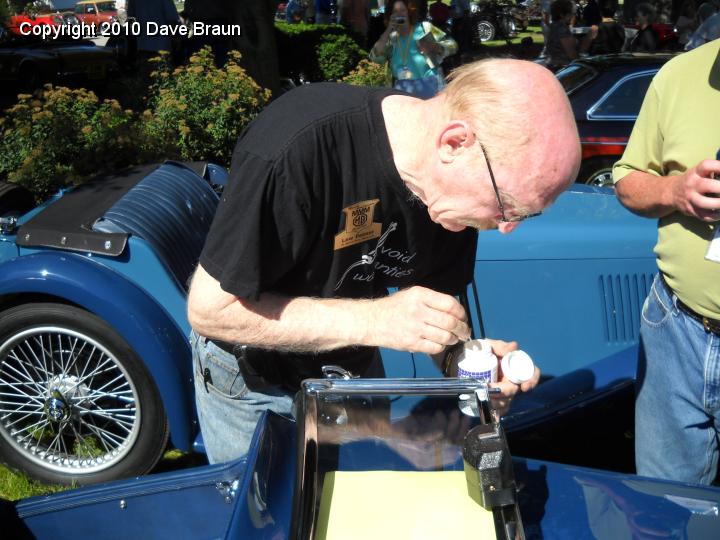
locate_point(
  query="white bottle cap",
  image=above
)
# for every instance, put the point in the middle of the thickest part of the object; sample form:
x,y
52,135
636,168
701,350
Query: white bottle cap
x,y
518,366
478,361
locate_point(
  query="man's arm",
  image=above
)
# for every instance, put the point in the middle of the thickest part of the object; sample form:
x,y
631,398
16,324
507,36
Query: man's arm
x,y
415,319
653,196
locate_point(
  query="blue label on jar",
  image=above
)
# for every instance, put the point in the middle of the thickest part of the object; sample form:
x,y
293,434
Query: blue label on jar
x,y
481,375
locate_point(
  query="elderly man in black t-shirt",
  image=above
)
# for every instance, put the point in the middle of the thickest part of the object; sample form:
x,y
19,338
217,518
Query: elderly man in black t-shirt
x,y
337,193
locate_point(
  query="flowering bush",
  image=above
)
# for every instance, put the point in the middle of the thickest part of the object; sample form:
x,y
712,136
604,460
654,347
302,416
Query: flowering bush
x,y
58,137
197,111
368,73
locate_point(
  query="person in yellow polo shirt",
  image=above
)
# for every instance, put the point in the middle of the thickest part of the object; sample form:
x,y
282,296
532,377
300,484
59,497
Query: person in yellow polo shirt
x,y
667,173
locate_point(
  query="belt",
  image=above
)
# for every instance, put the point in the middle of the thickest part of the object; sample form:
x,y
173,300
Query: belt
x,y
225,346
710,325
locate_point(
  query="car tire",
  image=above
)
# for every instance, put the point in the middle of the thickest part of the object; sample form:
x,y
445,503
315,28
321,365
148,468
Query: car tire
x,y
597,172
484,31
77,404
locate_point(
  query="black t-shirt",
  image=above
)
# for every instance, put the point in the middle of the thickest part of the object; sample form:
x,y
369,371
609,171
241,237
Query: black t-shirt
x,y
315,207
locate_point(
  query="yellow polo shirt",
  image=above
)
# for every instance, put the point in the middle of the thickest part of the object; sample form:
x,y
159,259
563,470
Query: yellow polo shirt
x,y
678,127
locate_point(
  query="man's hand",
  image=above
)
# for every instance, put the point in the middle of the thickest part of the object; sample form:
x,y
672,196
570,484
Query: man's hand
x,y
508,389
417,320
691,189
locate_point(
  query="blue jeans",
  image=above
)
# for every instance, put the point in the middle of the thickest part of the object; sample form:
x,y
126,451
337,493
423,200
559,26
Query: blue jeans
x,y
677,410
227,410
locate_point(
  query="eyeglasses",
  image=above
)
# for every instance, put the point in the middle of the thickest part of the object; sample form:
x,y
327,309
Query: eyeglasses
x,y
503,217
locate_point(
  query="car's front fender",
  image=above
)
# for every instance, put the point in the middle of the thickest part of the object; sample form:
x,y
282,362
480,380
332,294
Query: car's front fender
x,y
139,319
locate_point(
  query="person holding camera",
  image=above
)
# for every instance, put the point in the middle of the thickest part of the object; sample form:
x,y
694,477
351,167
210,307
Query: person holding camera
x,y
413,51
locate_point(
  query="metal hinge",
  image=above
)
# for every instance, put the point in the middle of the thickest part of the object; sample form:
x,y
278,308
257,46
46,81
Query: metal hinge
x,y
228,490
8,225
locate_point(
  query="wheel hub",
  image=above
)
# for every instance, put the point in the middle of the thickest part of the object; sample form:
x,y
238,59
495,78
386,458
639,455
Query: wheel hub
x,y
57,408
62,392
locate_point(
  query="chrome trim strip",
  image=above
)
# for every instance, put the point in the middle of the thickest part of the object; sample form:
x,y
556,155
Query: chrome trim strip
x,y
591,111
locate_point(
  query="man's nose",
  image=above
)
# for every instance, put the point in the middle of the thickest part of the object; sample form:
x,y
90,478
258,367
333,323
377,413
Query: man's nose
x,y
506,228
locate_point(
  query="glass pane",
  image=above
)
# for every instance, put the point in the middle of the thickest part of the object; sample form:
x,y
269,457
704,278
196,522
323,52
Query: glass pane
x,y
390,444
574,76
626,99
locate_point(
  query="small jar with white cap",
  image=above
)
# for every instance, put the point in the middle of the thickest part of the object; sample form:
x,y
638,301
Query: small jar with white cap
x,y
477,361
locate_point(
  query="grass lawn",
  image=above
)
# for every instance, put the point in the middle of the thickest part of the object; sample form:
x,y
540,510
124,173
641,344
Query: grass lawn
x,y
16,485
534,32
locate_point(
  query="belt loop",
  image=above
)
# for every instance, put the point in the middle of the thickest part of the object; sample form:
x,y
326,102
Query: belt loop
x,y
670,293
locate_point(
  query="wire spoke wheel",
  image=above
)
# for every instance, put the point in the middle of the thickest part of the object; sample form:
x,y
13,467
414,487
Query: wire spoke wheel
x,y
485,31
65,400
77,405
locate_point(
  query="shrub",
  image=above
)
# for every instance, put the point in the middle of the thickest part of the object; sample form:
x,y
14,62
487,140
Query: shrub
x,y
298,45
4,12
59,137
337,55
197,111
368,73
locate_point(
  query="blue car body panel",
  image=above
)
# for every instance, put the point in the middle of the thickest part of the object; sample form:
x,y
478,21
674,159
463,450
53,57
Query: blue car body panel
x,y
134,314
252,499
568,285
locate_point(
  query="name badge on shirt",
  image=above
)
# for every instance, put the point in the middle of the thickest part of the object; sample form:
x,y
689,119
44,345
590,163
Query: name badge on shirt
x,y
713,252
359,224
404,74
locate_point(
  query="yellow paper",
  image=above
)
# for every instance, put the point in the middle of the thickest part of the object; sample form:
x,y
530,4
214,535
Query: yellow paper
x,y
379,505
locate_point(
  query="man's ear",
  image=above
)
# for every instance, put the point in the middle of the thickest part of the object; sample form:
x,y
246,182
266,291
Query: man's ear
x,y
455,138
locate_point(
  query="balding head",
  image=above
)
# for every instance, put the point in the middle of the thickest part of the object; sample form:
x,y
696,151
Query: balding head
x,y
520,113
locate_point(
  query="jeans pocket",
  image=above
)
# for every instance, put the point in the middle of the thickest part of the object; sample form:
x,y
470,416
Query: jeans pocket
x,y
655,312
218,371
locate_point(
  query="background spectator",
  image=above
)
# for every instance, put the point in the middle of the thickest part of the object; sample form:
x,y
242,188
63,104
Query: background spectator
x,y
461,30
591,14
414,51
646,40
708,31
440,14
686,22
162,13
562,46
609,35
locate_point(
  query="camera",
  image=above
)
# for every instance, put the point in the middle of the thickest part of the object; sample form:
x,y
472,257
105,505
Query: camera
x,y
399,20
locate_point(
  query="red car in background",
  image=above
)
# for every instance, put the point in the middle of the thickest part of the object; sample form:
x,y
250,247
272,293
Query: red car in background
x,y
605,94
97,13
47,19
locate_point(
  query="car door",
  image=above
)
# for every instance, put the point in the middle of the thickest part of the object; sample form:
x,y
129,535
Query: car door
x,y
91,15
80,13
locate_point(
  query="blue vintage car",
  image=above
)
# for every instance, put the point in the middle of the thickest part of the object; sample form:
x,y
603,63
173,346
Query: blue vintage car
x,y
294,484
95,369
